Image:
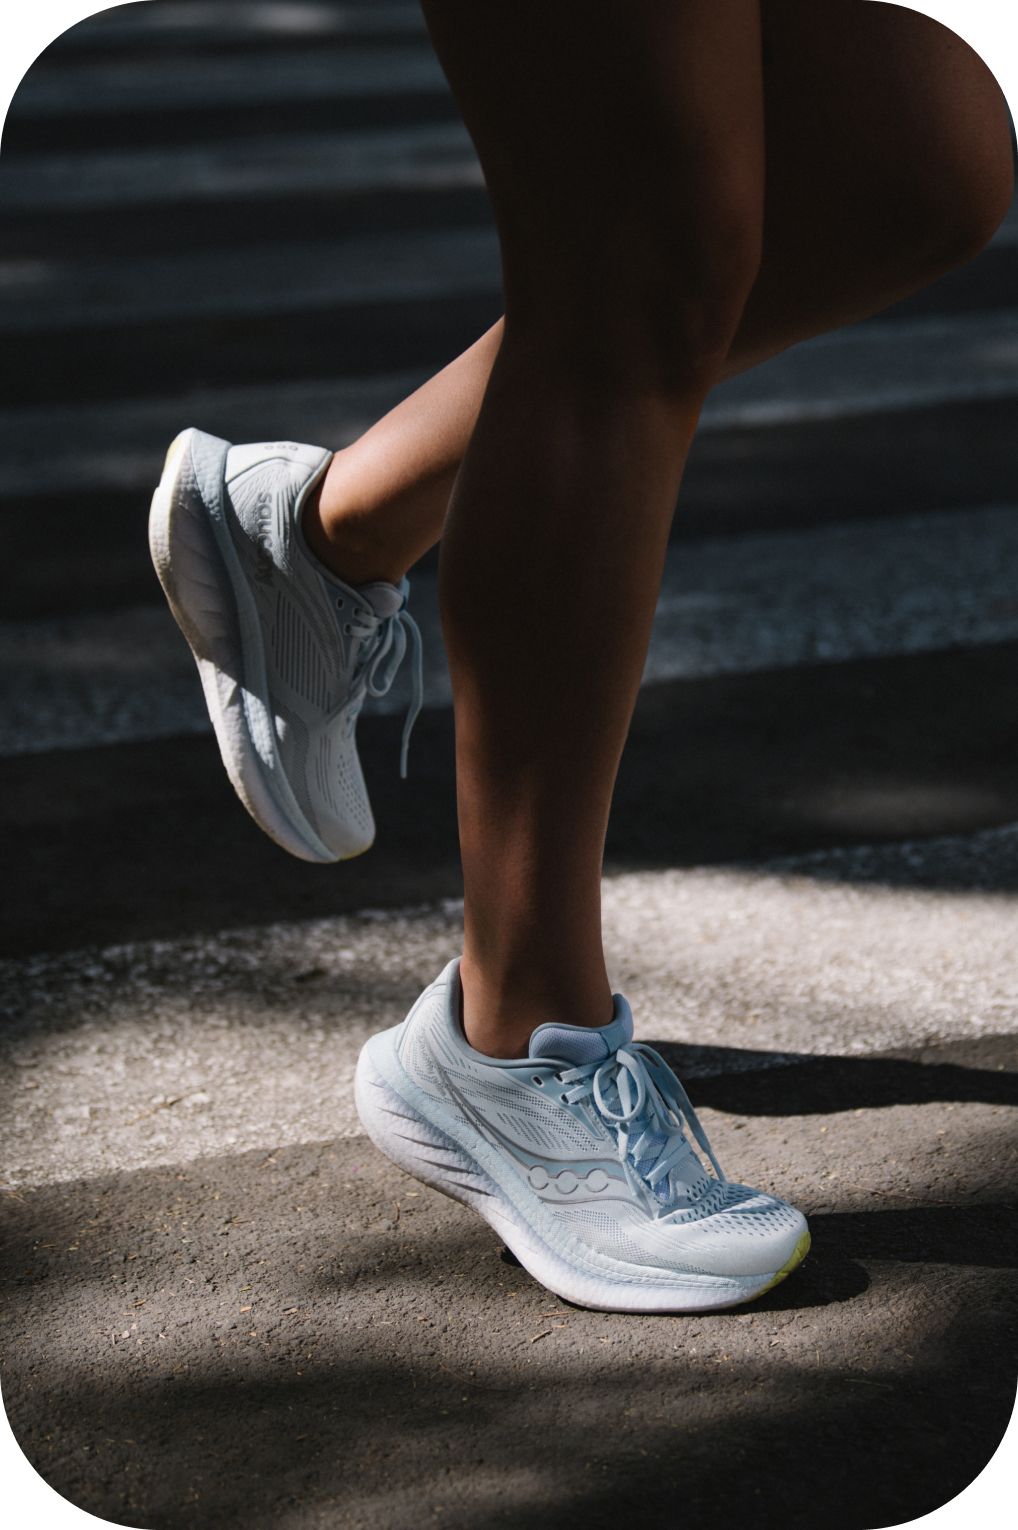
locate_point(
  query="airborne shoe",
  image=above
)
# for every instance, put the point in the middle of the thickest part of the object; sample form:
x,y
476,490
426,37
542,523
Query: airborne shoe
x,y
287,652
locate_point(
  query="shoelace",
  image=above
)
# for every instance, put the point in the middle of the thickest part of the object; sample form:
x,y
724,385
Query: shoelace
x,y
386,638
654,1110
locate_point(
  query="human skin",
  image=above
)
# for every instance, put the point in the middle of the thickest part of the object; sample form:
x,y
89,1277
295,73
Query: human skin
x,y
680,191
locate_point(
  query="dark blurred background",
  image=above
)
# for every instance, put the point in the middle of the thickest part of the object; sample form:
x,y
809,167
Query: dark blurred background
x,y
266,219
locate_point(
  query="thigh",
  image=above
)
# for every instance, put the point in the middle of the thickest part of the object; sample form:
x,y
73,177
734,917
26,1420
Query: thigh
x,y
885,133
607,130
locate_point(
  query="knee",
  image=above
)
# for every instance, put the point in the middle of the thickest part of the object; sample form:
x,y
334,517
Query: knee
x,y
653,304
701,281
962,194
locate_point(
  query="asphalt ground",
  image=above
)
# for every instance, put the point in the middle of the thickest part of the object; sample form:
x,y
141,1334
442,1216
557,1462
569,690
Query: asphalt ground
x,y
221,1307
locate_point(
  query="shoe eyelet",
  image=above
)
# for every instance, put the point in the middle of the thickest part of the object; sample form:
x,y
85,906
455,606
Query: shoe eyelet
x,y
538,1081
347,628
564,1098
340,603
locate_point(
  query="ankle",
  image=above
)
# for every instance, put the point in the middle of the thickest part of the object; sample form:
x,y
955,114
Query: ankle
x,y
500,1014
343,536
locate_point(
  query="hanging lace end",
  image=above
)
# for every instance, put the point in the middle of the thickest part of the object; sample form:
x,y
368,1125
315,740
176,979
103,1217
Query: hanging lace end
x,y
390,639
417,692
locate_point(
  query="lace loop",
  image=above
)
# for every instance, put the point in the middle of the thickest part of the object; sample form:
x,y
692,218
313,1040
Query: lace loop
x,y
654,1111
386,640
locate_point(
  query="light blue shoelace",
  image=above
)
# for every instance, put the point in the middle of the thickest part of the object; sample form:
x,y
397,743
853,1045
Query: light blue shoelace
x,y
386,639
654,1110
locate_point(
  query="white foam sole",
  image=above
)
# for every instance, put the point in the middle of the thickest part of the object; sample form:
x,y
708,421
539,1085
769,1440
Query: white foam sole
x,y
211,604
453,1158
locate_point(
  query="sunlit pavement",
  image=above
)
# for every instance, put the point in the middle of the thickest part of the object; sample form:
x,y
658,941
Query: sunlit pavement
x,y
222,1308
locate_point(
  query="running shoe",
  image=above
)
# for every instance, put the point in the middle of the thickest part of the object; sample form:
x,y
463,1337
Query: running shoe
x,y
287,653
585,1156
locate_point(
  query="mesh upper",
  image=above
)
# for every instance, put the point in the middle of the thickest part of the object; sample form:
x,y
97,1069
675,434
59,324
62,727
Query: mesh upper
x,y
308,659
573,1043
694,1223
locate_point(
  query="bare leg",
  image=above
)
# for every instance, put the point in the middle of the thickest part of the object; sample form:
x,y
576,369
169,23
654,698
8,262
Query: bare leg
x,y
384,498
623,150
888,164
902,171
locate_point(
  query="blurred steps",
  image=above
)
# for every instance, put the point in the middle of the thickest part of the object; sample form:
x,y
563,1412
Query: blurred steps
x,y
829,594
282,238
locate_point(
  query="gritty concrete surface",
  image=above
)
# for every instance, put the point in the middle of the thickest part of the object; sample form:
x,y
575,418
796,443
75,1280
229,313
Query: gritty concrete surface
x,y
220,1308
308,1338
162,1051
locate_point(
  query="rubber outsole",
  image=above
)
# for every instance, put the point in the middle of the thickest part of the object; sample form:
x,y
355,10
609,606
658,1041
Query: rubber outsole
x,y
407,1137
201,578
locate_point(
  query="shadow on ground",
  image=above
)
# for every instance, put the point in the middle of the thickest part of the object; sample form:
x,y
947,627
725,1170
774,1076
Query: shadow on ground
x,y
730,1078
306,1338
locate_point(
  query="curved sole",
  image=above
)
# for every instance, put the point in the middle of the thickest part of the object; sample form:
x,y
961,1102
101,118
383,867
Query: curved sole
x,y
399,1129
201,578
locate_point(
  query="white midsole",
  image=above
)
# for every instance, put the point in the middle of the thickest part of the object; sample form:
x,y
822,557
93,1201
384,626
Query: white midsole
x,y
215,611
453,1157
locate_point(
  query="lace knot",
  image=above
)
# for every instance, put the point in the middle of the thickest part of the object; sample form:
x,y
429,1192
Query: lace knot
x,y
649,1115
386,640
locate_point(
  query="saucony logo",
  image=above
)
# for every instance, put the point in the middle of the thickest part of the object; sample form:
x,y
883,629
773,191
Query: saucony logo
x,y
264,514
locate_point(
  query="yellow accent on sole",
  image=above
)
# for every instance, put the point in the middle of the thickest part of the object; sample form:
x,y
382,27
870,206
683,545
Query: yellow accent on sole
x,y
798,1255
173,451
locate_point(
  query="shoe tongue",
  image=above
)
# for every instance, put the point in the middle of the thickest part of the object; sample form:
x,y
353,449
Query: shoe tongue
x,y
384,599
581,1043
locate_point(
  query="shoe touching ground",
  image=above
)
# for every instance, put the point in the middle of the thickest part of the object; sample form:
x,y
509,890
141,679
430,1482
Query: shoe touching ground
x,y
578,1157
287,653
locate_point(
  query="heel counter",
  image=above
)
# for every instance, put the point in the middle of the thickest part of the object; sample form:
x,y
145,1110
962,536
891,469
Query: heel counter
x,y
240,459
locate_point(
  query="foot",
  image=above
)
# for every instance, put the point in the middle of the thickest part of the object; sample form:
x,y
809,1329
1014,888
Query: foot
x,y
287,652
578,1156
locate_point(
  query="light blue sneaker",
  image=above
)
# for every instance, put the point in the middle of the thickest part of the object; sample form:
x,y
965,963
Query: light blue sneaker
x,y
578,1156
287,653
